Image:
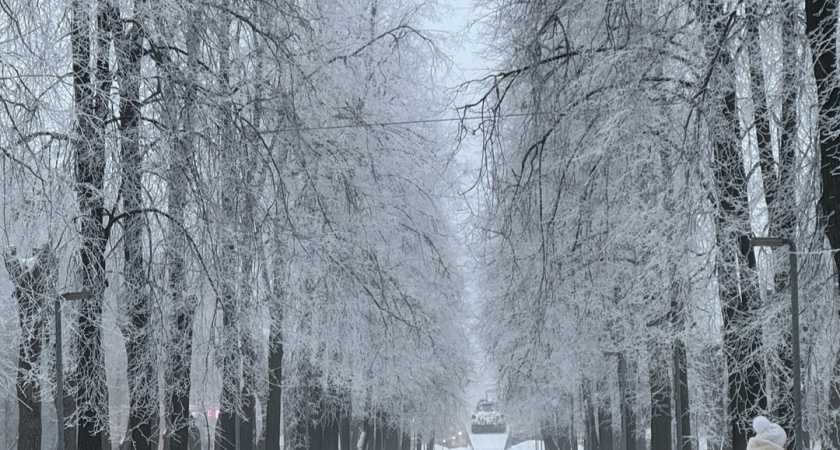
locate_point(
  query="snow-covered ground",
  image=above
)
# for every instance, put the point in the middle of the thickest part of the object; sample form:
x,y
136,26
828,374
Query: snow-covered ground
x,y
497,442
533,445
488,441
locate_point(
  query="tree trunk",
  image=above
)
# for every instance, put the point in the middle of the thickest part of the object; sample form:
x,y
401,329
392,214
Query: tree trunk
x,y
247,428
248,423
142,386
605,429
783,222
273,411
390,437
737,292
32,287
550,442
70,432
178,388
779,187
590,421
821,26
378,436
90,94
746,372
193,437
227,427
344,429
683,417
315,431
628,419
330,431
369,435
660,401
178,384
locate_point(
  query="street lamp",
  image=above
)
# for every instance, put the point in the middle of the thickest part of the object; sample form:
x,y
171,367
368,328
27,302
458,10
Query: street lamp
x,y
59,365
774,242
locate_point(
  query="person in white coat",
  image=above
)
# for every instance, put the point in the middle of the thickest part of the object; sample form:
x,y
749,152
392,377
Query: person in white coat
x,y
768,435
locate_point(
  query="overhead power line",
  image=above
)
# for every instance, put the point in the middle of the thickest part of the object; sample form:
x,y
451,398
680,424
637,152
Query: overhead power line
x,y
400,122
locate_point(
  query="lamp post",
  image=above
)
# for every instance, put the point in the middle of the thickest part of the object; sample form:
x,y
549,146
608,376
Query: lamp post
x,y
59,365
774,242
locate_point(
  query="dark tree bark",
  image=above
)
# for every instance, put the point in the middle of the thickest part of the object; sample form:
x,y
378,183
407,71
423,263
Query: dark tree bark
x,y
90,93
193,437
368,431
229,361
178,384
605,428
142,384
273,419
821,26
390,436
778,179
590,420
32,287
783,216
70,432
226,425
660,400
737,286
248,394
628,419
741,342
179,371
329,428
344,429
681,397
248,426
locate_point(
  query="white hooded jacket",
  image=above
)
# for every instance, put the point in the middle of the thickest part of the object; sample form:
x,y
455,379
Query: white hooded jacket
x,y
757,443
768,435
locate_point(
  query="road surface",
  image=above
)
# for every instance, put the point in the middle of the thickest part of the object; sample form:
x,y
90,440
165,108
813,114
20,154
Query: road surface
x,y
488,441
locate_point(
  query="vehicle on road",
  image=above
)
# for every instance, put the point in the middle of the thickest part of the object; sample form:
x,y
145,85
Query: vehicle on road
x,y
456,437
487,418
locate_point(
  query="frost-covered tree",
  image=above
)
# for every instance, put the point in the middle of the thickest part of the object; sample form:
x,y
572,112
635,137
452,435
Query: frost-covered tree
x,y
584,186
237,213
629,148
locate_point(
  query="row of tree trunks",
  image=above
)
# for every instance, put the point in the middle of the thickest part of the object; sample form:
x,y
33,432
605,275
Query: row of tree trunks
x,y
92,87
377,435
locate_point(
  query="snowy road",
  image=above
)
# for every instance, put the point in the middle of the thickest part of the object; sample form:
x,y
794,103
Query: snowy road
x,y
488,441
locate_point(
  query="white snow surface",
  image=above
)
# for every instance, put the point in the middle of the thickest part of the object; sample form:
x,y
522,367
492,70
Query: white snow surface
x,y
488,441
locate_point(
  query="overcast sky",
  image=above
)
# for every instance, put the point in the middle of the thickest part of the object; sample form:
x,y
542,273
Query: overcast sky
x,y
463,47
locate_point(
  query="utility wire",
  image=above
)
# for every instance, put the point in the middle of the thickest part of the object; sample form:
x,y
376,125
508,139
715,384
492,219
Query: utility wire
x,y
402,122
